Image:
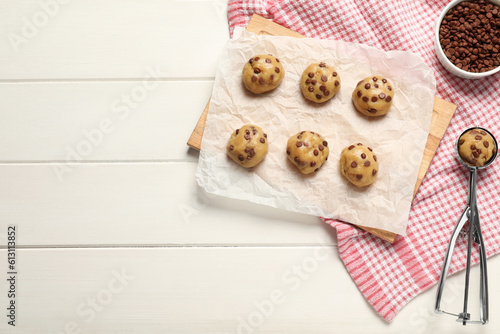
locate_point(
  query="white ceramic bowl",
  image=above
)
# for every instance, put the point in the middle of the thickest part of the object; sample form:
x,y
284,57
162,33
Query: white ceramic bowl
x,y
442,57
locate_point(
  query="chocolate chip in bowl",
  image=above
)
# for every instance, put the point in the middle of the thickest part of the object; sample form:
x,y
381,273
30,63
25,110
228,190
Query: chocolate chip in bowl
x,y
467,38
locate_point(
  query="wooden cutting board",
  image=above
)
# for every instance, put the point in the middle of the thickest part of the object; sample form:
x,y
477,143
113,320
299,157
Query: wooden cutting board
x,y
441,116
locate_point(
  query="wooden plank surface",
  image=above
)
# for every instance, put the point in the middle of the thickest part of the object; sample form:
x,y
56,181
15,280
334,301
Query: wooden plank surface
x,y
197,290
198,264
136,204
99,121
118,40
442,113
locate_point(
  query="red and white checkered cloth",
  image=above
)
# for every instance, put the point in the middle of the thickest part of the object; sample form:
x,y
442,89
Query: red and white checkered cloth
x,y
389,276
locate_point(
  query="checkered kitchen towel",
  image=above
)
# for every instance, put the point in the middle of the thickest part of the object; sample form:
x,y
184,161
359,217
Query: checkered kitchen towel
x,y
389,276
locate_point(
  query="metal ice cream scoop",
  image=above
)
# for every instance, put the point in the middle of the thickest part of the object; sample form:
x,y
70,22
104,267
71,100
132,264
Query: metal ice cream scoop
x,y
471,215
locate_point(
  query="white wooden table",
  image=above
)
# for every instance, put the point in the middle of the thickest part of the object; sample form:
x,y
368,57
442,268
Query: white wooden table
x,y
113,235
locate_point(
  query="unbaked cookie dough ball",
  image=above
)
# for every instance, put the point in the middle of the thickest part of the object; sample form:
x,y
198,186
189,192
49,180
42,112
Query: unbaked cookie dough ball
x,y
308,151
373,96
247,145
476,147
359,165
262,74
319,82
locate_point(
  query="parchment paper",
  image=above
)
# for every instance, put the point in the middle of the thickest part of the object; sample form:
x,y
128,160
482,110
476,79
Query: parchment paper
x,y
398,139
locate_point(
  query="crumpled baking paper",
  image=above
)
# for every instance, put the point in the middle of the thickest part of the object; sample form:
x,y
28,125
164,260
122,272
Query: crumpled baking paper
x,y
398,138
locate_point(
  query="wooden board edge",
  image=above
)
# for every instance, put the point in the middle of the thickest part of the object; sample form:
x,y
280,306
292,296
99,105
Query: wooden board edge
x,y
382,234
197,134
435,135
262,26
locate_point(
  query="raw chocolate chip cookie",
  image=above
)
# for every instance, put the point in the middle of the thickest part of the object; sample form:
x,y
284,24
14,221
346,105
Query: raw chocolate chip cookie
x,y
476,147
373,96
319,82
307,150
262,74
359,165
247,145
